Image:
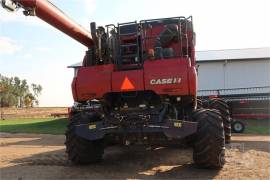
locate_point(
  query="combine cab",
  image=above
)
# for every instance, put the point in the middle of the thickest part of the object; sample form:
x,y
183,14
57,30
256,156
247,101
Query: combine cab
x,y
137,85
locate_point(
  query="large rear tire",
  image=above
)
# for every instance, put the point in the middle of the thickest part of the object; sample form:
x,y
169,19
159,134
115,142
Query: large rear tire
x,y
223,107
199,104
82,151
209,143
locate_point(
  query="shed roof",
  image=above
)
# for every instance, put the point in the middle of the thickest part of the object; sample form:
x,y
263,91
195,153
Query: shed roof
x,y
76,65
233,54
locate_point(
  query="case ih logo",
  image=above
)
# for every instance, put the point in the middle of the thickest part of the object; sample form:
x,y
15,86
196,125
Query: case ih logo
x,y
175,80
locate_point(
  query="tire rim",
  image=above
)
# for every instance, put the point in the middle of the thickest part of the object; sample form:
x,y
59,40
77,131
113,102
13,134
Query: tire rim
x,y
238,127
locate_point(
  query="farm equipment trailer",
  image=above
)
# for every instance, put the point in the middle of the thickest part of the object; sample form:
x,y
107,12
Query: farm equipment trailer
x,y
137,85
244,103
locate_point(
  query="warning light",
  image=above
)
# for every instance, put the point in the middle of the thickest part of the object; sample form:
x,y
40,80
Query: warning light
x,y
127,85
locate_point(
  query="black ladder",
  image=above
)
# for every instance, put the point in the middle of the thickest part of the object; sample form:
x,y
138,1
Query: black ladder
x,y
130,57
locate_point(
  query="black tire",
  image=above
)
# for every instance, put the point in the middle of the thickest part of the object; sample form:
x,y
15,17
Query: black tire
x,y
199,104
238,127
209,141
82,151
223,107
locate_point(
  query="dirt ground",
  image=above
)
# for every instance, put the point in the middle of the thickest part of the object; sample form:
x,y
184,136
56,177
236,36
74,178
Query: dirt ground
x,y
38,112
31,156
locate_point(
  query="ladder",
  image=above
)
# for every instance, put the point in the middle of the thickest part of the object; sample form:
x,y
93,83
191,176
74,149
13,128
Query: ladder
x,y
129,47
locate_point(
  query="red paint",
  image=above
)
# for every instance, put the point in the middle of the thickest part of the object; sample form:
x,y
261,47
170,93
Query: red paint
x,y
93,82
74,89
193,81
251,116
243,101
164,69
154,32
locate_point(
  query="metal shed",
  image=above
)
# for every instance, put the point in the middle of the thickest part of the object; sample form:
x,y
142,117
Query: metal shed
x,y
234,71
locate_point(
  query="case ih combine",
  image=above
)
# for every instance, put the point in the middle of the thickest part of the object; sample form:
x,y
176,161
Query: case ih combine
x,y
137,85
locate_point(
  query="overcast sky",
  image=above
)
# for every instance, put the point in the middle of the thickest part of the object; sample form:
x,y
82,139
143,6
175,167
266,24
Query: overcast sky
x,y
31,49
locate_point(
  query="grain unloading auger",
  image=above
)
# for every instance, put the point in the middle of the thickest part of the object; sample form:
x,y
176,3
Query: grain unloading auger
x,y
53,16
137,85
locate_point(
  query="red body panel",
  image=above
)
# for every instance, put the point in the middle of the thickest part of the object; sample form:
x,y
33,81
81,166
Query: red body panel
x,y
165,69
193,81
74,89
93,82
251,116
153,32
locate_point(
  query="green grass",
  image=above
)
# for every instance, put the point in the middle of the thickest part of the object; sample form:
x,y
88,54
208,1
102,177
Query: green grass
x,y
257,130
256,126
39,126
58,126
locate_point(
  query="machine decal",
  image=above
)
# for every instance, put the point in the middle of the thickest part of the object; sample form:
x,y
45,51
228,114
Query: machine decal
x,y
177,124
92,126
127,85
175,80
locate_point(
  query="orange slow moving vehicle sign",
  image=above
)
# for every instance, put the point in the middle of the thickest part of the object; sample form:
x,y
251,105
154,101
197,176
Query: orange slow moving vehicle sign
x,y
127,85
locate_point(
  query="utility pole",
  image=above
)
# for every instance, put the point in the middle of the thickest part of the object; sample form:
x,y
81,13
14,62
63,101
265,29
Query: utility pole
x,y
1,104
2,110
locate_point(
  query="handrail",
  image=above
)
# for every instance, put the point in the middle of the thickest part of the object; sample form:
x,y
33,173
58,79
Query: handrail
x,y
181,20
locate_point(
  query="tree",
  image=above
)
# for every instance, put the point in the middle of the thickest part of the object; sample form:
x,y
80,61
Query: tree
x,y
16,92
36,88
7,92
29,100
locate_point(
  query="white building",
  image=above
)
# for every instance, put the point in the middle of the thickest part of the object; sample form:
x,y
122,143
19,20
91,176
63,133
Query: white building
x,y
234,71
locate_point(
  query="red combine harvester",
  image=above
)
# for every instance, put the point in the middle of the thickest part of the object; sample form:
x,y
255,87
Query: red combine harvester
x,y
137,85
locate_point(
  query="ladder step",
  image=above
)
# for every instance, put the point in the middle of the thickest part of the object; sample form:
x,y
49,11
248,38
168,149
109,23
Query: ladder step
x,y
129,55
128,34
128,45
131,66
127,23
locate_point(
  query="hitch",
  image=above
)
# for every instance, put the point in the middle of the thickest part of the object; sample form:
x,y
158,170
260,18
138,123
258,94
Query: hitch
x,y
172,129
